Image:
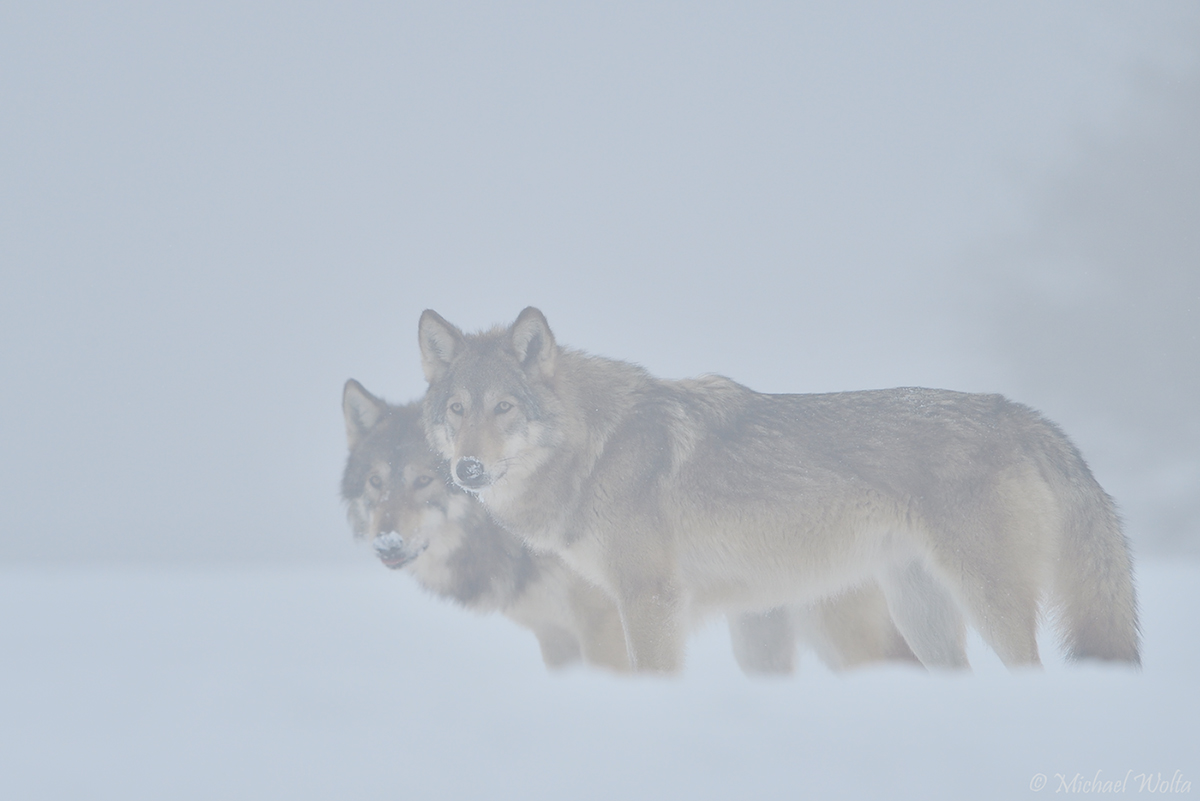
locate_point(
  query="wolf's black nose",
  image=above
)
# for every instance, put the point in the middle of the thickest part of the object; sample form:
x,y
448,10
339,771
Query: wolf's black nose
x,y
470,473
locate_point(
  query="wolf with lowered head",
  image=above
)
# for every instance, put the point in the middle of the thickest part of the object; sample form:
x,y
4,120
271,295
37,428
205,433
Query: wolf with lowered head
x,y
400,498
678,496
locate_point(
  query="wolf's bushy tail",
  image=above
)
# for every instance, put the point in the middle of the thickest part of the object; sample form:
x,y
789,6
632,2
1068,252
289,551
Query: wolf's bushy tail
x,y
1092,592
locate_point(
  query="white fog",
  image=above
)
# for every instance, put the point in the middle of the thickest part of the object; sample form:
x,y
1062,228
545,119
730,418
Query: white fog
x,y
212,216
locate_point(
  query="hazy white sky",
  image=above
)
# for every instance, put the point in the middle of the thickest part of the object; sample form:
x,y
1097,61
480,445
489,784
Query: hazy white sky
x,y
212,215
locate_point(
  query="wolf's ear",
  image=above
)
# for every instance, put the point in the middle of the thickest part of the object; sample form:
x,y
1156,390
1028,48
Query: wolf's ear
x,y
533,342
440,341
362,411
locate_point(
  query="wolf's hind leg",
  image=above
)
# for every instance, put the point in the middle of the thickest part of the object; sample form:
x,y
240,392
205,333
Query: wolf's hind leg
x,y
1006,615
926,614
764,643
852,629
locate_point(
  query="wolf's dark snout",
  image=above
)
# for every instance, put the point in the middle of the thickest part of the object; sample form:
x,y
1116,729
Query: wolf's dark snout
x,y
470,472
389,547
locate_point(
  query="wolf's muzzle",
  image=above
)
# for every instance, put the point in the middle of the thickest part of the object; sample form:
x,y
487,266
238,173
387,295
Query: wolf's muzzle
x,y
394,552
469,473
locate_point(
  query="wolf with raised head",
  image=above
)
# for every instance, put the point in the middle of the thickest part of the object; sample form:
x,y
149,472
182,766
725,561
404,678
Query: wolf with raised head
x,y
677,496
400,498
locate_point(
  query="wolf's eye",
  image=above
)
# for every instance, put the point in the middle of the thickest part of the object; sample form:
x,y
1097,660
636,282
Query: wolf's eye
x,y
502,407
375,481
457,408
422,481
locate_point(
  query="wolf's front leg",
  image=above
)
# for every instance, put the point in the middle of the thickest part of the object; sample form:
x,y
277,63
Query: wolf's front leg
x,y
559,646
601,634
764,643
651,615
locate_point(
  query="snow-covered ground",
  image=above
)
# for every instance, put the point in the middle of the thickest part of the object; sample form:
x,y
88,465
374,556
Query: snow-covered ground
x,y
296,683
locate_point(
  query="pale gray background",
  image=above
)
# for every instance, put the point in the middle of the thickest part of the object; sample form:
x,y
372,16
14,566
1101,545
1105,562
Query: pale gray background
x,y
213,214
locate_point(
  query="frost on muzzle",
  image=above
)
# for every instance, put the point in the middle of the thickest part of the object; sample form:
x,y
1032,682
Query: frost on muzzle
x,y
394,552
